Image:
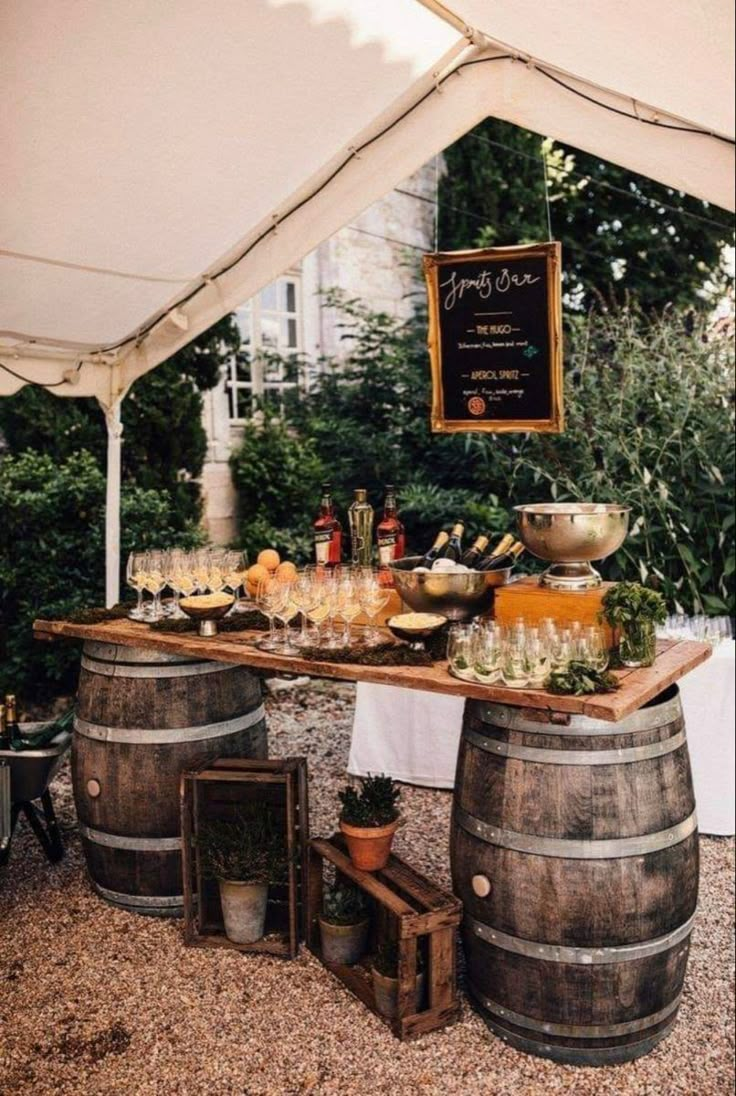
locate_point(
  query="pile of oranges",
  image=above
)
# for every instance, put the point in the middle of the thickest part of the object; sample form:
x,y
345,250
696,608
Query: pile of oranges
x,y
268,563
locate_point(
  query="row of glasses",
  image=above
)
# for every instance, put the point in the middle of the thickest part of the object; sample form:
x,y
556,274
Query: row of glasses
x,y
521,655
329,601
705,629
205,570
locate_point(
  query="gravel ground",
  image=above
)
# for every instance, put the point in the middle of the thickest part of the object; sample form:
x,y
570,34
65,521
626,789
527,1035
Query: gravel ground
x,y
96,1001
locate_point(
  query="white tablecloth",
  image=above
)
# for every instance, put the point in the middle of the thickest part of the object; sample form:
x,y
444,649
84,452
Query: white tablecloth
x,y
414,736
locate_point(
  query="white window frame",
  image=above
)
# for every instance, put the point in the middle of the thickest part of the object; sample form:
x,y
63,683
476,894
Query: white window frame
x,y
260,384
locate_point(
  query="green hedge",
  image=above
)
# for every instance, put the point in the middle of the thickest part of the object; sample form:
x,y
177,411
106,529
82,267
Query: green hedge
x,y
52,556
650,420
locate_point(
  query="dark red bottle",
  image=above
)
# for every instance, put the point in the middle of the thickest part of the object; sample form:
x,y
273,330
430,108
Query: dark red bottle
x,y
327,531
390,534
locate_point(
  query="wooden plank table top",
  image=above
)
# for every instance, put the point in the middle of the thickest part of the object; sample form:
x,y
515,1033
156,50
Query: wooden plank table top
x,y
674,660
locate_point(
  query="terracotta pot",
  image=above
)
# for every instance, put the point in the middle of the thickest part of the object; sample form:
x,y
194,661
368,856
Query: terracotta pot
x,y
369,846
344,943
386,993
243,910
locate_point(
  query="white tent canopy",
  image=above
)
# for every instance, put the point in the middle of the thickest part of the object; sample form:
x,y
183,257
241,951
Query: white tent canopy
x,y
165,159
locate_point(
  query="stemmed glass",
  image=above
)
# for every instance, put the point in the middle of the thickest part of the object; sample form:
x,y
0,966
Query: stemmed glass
x,y
234,573
271,599
175,570
372,597
307,597
321,606
347,604
135,576
155,583
286,612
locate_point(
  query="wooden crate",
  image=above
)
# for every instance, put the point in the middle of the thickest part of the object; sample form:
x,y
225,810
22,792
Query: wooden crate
x,y
216,792
526,598
410,910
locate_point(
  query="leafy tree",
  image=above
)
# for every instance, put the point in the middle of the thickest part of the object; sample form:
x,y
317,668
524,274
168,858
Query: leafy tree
x,y
164,441
624,236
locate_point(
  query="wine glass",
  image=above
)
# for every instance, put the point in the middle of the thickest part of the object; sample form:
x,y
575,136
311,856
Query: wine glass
x,y
321,606
234,573
286,611
347,604
271,597
135,577
175,570
155,582
373,596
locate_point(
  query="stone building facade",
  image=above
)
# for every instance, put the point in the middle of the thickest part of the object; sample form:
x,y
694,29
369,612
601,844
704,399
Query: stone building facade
x,y
377,259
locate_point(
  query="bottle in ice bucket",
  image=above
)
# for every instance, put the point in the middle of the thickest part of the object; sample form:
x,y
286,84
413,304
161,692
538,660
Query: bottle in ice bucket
x,y
454,549
327,531
360,519
504,559
475,553
390,535
437,549
12,729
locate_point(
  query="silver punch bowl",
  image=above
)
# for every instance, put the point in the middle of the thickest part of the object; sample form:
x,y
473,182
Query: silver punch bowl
x,y
570,535
459,595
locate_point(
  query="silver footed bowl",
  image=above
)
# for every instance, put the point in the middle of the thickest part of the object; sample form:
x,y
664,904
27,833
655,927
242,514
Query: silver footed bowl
x,y
570,535
460,596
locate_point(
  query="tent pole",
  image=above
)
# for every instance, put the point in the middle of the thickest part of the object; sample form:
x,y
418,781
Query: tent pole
x,y
112,503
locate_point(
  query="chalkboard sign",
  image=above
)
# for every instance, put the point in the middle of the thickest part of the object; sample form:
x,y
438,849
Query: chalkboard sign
x,y
495,339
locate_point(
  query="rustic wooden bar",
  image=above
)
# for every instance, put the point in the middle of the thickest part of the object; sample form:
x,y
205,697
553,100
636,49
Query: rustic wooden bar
x,y
674,660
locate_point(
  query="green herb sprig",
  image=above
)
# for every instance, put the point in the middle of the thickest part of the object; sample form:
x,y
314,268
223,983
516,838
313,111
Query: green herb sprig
x,y
581,679
629,603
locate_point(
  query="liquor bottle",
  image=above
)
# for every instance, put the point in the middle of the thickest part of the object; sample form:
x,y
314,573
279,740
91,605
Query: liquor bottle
x,y
360,519
12,729
436,550
505,559
327,531
498,549
454,549
4,737
475,552
390,535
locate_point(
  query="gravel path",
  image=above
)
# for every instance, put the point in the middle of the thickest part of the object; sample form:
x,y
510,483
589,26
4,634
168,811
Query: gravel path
x,y
95,1001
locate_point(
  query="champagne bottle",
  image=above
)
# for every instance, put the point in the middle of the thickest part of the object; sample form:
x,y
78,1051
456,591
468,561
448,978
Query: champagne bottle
x,y
360,518
454,549
505,559
436,550
475,552
498,549
4,738
11,718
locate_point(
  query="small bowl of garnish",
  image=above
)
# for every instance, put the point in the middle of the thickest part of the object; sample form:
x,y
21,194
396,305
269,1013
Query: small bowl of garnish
x,y
415,628
207,609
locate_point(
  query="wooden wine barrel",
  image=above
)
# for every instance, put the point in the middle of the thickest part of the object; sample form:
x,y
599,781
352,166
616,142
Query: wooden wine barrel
x,y
142,717
575,853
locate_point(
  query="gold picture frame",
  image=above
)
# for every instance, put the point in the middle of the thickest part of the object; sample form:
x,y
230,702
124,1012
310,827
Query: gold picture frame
x,y
554,422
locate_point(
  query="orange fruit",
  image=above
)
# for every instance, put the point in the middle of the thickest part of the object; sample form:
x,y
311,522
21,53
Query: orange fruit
x,y
269,558
286,570
255,574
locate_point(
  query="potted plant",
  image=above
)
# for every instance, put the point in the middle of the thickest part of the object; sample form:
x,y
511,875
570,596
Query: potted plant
x,y
369,819
634,611
244,856
344,924
385,974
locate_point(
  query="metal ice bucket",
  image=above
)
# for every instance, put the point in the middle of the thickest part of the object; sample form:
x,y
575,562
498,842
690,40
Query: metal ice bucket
x,y
570,535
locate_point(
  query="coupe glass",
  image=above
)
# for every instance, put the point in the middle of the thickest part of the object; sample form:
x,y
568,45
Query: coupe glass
x,y
135,575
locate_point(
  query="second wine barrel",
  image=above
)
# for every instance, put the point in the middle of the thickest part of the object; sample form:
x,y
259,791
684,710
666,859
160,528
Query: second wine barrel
x,y
575,853
142,717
